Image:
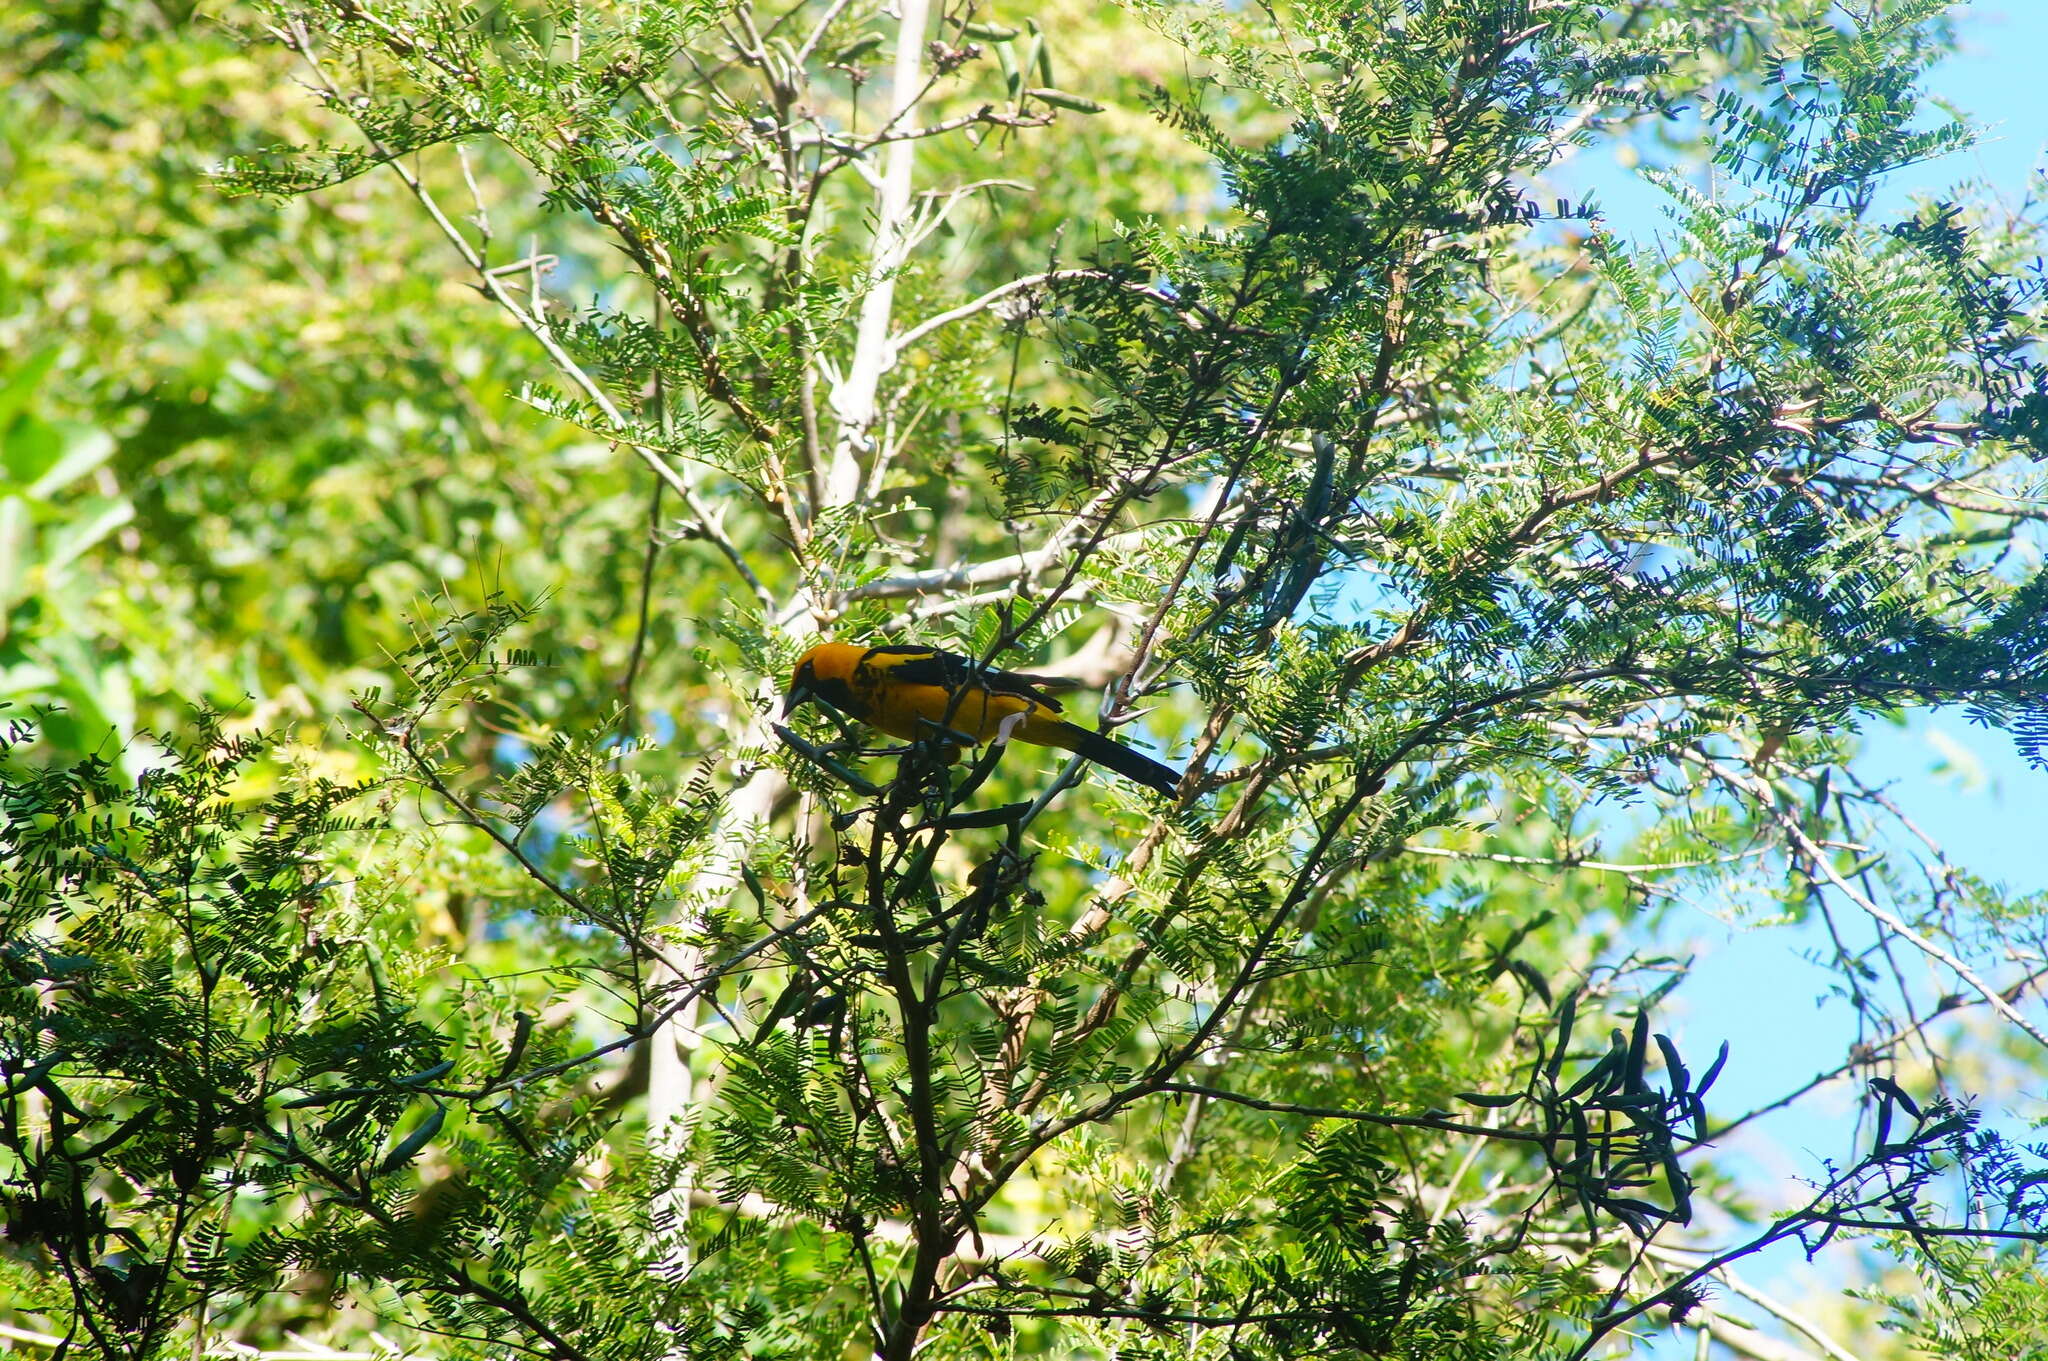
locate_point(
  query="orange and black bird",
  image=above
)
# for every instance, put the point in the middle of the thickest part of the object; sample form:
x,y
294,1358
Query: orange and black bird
x,y
915,692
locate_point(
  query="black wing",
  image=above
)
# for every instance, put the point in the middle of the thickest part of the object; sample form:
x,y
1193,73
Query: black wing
x,y
950,670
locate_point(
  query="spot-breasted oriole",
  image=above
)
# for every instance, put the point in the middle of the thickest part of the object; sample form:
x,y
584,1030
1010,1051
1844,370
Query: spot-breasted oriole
x,y
893,688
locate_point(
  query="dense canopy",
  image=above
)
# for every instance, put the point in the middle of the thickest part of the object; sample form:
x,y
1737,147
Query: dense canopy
x,y
431,433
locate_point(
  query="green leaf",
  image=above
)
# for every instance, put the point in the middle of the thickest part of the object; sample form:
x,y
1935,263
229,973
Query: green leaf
x,y
91,521
24,383
83,448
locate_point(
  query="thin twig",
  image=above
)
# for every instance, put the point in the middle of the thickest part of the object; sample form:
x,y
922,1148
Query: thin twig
x,y
299,41
1818,860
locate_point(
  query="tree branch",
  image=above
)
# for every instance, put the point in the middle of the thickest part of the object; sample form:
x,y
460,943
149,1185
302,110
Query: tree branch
x,y
298,40
1816,857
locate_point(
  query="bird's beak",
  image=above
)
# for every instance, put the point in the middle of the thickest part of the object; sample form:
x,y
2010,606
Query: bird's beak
x,y
796,698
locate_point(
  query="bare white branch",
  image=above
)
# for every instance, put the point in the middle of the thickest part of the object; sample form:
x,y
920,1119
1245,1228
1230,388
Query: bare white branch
x,y
854,399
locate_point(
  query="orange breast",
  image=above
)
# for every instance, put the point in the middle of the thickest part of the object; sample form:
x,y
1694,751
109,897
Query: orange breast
x,y
897,710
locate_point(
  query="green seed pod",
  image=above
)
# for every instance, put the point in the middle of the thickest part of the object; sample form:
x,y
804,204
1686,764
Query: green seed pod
x,y
1061,99
404,1152
858,48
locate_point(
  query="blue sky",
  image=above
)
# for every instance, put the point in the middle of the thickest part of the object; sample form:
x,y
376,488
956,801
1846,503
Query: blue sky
x,y
1965,786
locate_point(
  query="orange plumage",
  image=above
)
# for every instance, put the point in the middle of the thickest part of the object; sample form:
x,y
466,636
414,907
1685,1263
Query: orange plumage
x,y
915,692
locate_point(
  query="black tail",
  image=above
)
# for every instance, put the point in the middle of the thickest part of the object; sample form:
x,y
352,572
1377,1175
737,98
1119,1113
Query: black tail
x,y
1125,761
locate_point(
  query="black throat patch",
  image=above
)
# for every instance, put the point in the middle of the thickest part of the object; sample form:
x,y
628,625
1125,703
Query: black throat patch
x,y
838,694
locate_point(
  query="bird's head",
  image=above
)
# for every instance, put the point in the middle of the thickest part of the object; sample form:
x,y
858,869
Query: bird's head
x,y
803,684
821,673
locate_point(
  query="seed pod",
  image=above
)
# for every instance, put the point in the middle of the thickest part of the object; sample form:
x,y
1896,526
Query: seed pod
x,y
1492,1102
858,48
1061,99
1566,1014
1638,1051
1673,1065
441,1069
1713,1070
522,1031
404,1151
